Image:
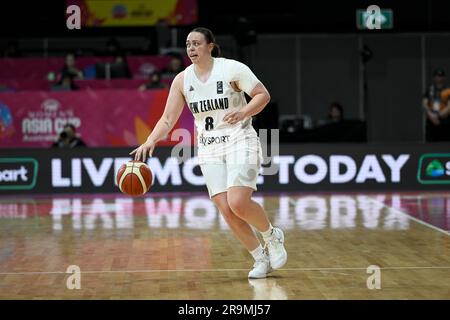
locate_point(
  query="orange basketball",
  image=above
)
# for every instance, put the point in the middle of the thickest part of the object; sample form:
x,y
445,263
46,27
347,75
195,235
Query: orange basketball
x,y
134,178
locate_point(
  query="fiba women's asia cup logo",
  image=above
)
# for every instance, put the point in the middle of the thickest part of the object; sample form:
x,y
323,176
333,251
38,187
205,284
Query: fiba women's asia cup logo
x,y
43,124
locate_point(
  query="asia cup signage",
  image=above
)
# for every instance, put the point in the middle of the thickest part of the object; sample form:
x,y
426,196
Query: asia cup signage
x,y
111,13
45,123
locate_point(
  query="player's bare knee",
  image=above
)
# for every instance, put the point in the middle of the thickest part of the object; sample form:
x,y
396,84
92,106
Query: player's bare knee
x,y
238,204
227,213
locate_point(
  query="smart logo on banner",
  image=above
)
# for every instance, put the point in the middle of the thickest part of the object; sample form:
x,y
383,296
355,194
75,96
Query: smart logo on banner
x,y
434,168
18,173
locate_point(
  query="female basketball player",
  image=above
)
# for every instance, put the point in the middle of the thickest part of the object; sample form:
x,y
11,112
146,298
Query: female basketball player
x,y
229,150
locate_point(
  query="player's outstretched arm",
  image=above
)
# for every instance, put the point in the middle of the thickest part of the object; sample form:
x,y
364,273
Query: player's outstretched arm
x,y
174,107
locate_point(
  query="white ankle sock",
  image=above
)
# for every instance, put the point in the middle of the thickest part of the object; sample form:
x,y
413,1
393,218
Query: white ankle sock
x,y
258,253
267,233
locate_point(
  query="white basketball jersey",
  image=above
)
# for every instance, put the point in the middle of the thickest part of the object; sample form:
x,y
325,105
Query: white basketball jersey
x,y
210,101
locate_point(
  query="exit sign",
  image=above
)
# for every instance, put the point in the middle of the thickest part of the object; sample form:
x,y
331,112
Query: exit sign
x,y
385,17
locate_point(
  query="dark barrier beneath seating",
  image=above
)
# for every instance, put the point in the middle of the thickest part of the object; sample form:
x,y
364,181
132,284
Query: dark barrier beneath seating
x,y
301,167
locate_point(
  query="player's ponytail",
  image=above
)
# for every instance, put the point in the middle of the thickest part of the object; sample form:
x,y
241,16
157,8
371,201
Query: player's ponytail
x,y
209,36
216,51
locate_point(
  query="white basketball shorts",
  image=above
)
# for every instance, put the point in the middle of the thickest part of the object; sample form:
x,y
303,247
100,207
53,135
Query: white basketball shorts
x,y
230,160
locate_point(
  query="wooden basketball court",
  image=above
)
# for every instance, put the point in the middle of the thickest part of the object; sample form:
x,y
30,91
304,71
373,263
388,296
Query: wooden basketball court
x,y
172,246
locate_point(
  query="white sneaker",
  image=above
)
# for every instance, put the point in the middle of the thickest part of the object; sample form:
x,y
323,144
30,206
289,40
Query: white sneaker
x,y
261,268
275,247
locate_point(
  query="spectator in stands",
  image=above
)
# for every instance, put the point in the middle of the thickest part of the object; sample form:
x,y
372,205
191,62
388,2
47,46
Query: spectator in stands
x,y
68,138
336,128
154,82
335,114
435,102
174,67
65,84
70,68
124,70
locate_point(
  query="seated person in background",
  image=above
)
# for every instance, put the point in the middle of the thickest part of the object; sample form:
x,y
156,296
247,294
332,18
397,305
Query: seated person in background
x,y
174,67
436,105
335,114
70,67
154,83
117,69
121,60
68,138
337,128
65,84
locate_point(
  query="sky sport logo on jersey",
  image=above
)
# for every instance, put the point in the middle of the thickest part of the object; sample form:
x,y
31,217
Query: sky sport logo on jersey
x,y
434,168
18,173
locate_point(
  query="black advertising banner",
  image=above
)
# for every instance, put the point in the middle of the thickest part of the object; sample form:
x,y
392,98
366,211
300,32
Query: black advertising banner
x,y
305,167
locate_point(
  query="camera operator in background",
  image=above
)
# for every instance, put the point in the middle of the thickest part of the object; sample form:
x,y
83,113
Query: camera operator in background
x,y
68,138
436,105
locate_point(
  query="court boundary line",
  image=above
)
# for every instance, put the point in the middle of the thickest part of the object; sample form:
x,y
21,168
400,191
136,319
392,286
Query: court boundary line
x,y
412,217
220,270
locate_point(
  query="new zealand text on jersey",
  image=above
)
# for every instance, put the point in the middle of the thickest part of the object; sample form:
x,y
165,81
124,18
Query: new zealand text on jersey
x,y
209,105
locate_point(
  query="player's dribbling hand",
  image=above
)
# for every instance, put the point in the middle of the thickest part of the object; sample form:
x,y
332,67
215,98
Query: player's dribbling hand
x,y
144,151
234,117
